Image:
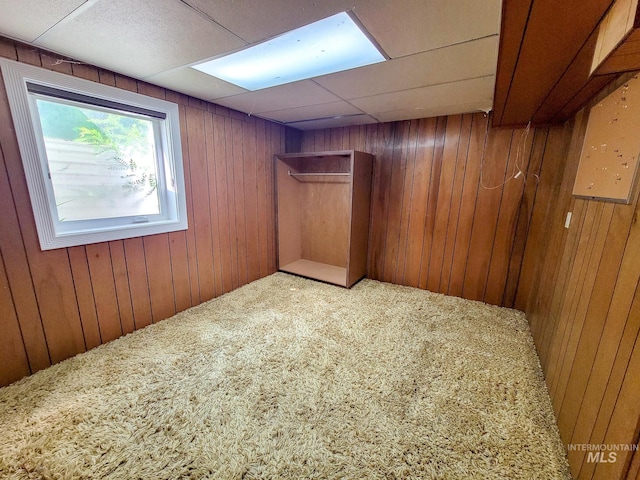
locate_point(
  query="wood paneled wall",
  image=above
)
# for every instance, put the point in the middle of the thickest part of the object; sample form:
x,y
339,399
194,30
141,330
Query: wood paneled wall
x,y
58,303
443,217
438,223
580,289
544,66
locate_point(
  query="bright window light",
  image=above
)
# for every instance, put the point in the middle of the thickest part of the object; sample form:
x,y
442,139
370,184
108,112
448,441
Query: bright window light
x,y
100,163
327,46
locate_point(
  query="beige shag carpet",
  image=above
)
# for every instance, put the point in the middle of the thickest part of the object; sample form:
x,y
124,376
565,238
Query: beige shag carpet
x,y
288,378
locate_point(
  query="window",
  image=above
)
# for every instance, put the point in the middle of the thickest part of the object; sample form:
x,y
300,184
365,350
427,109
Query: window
x,y
101,163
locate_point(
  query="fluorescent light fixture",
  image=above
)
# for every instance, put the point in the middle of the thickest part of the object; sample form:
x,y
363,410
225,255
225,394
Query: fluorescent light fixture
x,y
327,46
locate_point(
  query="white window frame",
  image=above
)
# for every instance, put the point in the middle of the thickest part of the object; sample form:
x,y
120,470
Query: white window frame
x,y
53,233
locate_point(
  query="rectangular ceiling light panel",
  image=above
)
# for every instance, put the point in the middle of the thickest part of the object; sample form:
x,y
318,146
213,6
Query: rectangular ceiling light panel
x,y
327,46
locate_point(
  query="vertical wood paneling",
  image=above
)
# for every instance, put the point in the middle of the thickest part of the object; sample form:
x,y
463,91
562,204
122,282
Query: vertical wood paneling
x,y
121,279
50,271
160,276
394,212
198,168
104,290
580,289
493,174
432,203
525,222
251,199
85,296
180,270
213,207
223,226
456,196
238,195
444,201
434,224
190,234
262,183
505,252
634,467
138,281
379,196
437,225
13,353
61,302
467,211
15,260
408,158
230,200
425,144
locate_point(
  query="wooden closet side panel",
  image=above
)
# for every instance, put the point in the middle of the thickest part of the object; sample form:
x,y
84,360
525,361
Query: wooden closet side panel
x,y
325,221
288,215
360,214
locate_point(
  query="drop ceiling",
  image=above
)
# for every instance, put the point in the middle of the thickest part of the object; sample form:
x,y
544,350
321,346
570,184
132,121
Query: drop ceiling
x,y
443,53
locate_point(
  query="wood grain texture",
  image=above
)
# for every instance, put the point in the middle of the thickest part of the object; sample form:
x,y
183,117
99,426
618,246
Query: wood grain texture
x,y
578,286
582,299
13,353
323,207
433,225
360,203
62,302
545,57
634,467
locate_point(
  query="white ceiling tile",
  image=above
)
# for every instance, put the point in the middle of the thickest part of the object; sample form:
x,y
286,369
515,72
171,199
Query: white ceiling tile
x,y
435,96
466,60
333,122
412,26
309,112
256,20
28,19
409,114
193,82
401,28
297,94
435,44
139,38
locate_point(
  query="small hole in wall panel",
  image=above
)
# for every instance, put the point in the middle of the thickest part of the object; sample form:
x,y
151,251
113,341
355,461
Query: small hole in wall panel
x,y
609,159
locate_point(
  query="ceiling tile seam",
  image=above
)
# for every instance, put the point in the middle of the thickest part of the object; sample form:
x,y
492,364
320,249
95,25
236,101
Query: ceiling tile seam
x,y
430,50
326,118
302,106
212,20
343,99
423,86
187,65
359,112
365,31
279,86
67,18
253,113
450,105
149,78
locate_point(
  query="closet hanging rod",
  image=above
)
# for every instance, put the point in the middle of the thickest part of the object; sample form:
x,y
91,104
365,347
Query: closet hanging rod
x,y
319,174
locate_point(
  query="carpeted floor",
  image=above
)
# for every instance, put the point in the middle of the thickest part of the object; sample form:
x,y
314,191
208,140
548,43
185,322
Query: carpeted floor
x,y
291,378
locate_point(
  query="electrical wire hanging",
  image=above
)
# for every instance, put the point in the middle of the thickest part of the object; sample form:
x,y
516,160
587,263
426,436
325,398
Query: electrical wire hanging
x,y
518,169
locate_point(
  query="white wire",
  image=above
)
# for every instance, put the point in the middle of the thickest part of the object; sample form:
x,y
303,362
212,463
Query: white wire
x,y
517,170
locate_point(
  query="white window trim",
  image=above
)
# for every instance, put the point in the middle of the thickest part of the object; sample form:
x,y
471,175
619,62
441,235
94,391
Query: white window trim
x,y
16,75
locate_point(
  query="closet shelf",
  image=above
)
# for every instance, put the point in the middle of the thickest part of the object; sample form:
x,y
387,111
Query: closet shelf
x,y
322,206
318,174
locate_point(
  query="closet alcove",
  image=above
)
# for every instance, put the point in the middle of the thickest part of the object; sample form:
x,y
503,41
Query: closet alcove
x,y
323,204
